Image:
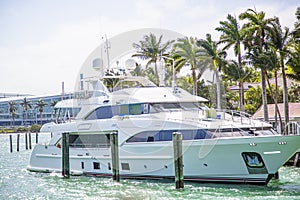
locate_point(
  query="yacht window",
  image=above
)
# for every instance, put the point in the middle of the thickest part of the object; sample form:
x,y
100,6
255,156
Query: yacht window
x,y
190,105
124,109
253,159
96,165
135,109
107,112
125,166
89,141
101,113
171,105
166,135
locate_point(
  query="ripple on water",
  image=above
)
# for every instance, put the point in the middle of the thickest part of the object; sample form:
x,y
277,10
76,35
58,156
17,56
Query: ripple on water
x,y
18,183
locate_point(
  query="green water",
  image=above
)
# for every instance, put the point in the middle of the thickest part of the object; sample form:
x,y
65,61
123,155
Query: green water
x,y
18,183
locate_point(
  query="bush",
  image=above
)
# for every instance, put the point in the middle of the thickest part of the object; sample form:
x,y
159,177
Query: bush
x,y
21,129
35,128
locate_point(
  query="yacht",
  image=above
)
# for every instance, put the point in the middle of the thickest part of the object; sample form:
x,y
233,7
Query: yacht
x,y
218,145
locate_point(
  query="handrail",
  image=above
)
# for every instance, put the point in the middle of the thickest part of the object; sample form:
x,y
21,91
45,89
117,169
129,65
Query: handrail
x,y
239,114
241,131
293,128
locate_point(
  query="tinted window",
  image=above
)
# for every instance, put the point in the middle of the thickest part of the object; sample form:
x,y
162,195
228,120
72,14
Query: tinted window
x,y
166,135
253,159
107,112
89,140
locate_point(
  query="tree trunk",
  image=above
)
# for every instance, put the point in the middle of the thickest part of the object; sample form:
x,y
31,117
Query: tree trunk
x,y
277,112
195,82
285,98
276,105
219,106
156,73
241,90
264,95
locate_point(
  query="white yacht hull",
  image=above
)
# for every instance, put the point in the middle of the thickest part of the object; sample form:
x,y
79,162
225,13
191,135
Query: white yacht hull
x,y
213,160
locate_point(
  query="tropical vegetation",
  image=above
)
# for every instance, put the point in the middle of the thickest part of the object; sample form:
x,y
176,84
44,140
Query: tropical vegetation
x,y
263,50
26,104
40,104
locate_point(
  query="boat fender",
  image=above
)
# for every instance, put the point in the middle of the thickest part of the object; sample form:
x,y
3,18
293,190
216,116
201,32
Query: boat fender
x,y
58,145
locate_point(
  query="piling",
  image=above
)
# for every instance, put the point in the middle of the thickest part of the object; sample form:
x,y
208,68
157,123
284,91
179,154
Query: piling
x,y
115,156
29,140
296,159
65,156
10,143
18,142
178,160
26,141
36,137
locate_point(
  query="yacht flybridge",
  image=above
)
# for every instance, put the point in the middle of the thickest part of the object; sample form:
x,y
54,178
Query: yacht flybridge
x,y
218,145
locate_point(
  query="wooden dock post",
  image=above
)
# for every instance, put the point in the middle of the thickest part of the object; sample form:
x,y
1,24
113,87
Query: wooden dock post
x,y
29,140
296,159
65,156
26,141
36,137
115,155
18,142
10,143
178,160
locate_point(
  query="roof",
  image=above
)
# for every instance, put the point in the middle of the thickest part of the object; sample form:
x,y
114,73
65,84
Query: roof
x,y
272,81
294,111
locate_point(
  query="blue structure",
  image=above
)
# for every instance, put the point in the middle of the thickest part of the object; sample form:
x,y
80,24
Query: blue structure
x,y
33,114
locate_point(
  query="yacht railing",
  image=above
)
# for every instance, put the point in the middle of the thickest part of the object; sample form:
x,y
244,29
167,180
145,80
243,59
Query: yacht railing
x,y
293,128
233,130
235,116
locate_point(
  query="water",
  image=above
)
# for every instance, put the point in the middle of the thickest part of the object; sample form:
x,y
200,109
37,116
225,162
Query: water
x,y
18,183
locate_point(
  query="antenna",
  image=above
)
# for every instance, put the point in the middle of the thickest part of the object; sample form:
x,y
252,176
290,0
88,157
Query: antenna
x,y
106,47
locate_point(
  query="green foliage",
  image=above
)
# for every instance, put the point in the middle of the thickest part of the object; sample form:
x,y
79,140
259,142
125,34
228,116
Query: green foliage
x,y
186,83
189,53
294,93
151,48
253,99
35,128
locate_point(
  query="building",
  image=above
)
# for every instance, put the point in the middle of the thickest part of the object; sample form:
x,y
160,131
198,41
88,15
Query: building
x,y
7,95
271,80
33,114
294,115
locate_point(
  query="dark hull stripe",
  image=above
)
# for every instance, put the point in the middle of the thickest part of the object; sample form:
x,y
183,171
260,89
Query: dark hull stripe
x,y
255,181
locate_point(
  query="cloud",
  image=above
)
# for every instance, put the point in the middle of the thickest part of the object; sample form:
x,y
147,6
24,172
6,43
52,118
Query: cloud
x,y
39,66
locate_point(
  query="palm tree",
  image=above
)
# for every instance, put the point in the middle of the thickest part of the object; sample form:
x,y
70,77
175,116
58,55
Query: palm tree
x,y
151,49
280,41
255,36
268,61
232,35
296,32
240,74
25,105
12,110
218,60
40,105
188,52
52,104
294,62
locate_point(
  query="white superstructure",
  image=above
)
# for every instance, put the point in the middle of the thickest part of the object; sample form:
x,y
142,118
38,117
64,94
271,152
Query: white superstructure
x,y
223,146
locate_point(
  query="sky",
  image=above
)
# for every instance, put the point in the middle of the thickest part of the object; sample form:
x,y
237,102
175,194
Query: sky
x,y
44,42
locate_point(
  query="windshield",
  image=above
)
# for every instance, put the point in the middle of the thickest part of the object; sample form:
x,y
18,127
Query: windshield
x,y
159,107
